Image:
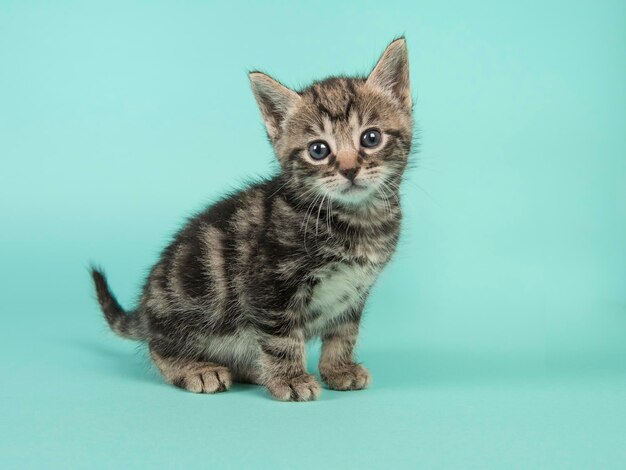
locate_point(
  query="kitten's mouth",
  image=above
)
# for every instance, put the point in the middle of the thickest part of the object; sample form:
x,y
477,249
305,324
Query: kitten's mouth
x,y
353,188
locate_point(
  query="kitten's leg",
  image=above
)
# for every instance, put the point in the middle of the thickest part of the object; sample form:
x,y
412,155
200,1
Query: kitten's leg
x,y
283,368
337,366
190,374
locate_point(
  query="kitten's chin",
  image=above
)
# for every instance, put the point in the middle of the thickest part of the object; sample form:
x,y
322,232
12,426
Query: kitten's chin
x,y
354,194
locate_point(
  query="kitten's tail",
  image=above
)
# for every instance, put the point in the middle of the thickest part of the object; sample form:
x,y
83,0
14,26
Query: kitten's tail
x,y
124,324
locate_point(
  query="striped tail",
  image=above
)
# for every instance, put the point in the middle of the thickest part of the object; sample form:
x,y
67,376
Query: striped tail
x,y
124,324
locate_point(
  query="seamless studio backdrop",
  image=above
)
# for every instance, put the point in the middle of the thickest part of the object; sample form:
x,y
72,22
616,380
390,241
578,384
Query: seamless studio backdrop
x,y
497,336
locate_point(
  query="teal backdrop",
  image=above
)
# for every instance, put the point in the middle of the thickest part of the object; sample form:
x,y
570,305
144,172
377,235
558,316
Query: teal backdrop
x,y
497,336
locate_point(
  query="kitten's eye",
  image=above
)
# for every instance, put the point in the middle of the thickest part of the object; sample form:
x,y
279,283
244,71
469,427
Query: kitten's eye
x,y
370,138
319,150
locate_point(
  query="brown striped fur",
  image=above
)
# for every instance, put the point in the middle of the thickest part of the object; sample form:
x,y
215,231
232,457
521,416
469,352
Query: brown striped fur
x,y
249,280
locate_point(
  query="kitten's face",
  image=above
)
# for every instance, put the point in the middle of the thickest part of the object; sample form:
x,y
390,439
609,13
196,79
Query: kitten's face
x,y
347,139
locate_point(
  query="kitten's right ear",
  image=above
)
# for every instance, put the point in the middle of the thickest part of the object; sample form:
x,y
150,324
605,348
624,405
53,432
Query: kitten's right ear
x,y
274,100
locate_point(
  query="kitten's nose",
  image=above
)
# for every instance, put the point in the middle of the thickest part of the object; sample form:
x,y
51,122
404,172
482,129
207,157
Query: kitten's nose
x,y
350,173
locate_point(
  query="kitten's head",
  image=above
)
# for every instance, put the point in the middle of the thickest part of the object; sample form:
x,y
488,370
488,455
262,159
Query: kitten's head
x,y
346,138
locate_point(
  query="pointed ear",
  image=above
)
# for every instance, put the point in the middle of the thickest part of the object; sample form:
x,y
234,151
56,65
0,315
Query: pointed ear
x,y
392,72
274,100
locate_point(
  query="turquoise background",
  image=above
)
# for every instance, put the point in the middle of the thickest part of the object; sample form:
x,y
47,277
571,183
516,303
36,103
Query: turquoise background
x,y
497,337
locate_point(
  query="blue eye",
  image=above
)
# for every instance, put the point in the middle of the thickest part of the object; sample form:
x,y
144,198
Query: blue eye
x,y
370,138
319,150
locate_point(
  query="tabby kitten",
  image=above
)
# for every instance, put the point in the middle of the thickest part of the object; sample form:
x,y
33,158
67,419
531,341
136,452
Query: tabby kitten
x,y
248,281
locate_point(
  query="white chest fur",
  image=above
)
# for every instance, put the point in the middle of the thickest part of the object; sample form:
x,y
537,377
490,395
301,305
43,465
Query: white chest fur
x,y
340,287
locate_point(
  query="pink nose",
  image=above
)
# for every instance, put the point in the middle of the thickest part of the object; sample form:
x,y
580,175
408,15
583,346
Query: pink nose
x,y
348,165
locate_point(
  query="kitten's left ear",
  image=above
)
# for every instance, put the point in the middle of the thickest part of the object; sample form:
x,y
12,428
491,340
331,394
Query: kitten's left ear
x,y
274,100
392,72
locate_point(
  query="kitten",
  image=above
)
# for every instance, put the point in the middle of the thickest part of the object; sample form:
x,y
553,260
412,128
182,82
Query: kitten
x,y
248,281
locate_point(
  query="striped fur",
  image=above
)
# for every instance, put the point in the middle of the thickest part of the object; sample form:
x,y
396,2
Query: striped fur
x,y
249,280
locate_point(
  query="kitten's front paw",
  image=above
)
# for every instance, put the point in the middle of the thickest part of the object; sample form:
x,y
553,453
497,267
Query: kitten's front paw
x,y
346,377
302,388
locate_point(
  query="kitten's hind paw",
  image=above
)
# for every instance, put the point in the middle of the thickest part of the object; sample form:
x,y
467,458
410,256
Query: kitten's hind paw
x,y
205,379
192,375
346,377
302,388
